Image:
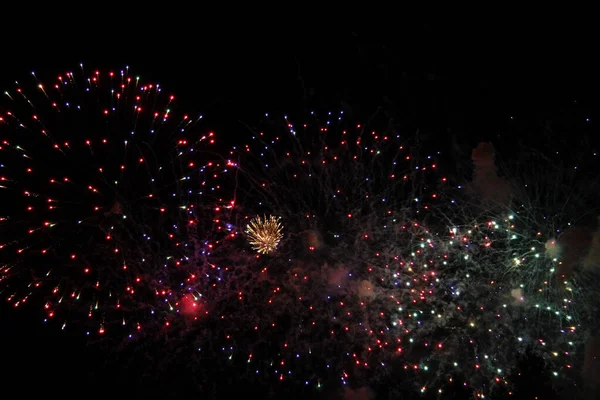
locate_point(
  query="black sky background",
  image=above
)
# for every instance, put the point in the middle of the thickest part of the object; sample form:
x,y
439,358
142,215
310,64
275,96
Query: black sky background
x,y
463,76
462,79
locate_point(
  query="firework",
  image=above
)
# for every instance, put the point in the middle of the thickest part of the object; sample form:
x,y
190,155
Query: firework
x,y
102,179
390,274
264,234
390,266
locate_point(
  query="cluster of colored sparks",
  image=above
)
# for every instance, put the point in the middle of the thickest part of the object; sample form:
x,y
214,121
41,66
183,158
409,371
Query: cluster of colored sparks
x,y
101,186
113,228
448,305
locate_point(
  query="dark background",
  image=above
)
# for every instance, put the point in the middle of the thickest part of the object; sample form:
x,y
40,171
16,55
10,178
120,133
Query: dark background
x,y
454,82
467,77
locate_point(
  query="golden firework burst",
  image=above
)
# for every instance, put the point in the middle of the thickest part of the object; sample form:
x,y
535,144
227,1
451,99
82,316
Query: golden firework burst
x,y
264,233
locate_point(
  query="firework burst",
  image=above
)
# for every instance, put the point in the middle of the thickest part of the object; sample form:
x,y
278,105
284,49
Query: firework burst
x,y
264,234
391,266
102,179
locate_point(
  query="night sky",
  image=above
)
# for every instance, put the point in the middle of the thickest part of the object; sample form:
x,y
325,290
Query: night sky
x,y
454,82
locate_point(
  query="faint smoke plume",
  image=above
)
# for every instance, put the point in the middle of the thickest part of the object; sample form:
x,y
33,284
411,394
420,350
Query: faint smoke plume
x,y
486,184
363,393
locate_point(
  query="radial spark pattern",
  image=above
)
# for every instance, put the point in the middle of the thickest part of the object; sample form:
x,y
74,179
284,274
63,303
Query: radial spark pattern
x,y
264,234
103,179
